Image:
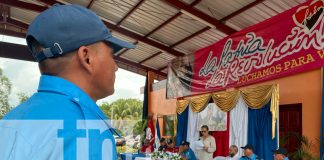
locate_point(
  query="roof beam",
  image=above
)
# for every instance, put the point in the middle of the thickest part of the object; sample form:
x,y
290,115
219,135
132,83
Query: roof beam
x,y
162,68
126,33
125,50
220,26
23,5
2,14
241,10
50,2
15,51
17,23
130,12
12,33
5,13
119,59
90,4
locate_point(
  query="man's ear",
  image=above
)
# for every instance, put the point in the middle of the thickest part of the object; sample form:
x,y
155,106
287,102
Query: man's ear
x,y
85,58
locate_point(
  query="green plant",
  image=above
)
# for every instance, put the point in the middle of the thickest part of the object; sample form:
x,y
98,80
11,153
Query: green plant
x,y
139,129
303,150
123,113
5,90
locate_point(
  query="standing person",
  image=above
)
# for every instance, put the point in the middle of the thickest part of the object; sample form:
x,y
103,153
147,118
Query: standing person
x,y
248,153
74,51
186,152
206,153
280,154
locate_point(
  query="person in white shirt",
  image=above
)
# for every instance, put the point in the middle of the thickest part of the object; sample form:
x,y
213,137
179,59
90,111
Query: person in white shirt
x,y
209,145
232,155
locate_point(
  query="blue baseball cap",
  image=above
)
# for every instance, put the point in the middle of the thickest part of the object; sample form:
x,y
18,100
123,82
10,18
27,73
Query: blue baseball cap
x,y
64,28
281,150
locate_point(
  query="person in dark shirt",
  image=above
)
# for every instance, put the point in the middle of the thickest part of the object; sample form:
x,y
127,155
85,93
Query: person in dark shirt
x,y
171,147
280,154
163,144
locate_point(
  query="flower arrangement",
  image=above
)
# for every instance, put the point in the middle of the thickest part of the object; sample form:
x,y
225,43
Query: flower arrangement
x,y
159,155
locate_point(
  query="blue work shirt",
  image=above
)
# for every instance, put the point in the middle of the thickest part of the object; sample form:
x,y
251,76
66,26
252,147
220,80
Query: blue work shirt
x,y
252,157
60,121
189,154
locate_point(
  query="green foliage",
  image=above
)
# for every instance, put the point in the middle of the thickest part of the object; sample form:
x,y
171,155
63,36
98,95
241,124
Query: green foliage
x,y
304,150
123,109
22,97
139,129
5,90
124,113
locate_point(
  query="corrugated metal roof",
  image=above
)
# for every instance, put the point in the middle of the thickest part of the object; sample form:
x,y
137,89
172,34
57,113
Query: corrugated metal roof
x,y
220,8
22,15
159,61
203,40
148,16
180,28
113,10
261,12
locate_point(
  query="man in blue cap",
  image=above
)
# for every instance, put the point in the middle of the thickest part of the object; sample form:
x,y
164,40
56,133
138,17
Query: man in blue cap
x,y
186,152
249,153
74,50
280,154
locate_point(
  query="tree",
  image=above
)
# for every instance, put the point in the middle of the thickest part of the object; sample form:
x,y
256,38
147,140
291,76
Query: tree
x,y
22,97
123,109
5,90
124,113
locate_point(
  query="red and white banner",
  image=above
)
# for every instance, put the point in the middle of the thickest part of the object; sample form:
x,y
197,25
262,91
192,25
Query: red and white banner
x,y
289,43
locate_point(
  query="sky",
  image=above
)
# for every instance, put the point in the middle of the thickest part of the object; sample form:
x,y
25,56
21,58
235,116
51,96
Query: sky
x,y
24,76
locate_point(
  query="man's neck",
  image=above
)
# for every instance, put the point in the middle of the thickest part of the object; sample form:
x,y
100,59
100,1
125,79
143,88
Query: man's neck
x,y
233,155
251,155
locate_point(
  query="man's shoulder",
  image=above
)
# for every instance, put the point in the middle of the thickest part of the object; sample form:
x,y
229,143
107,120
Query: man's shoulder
x,y
211,137
243,158
44,106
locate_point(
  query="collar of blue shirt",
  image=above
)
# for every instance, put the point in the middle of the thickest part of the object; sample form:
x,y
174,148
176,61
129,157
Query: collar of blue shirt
x,y
61,86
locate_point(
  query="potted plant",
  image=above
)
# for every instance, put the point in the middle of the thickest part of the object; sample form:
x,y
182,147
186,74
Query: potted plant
x,y
303,151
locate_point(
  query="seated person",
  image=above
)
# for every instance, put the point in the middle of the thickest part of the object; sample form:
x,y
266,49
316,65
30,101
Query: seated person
x,y
186,152
147,147
163,144
171,147
248,153
232,155
280,154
